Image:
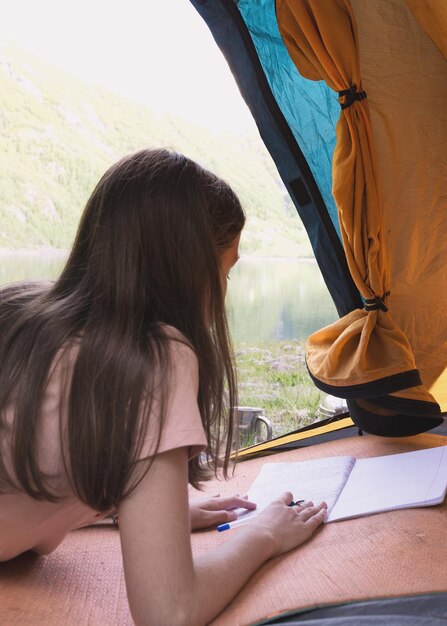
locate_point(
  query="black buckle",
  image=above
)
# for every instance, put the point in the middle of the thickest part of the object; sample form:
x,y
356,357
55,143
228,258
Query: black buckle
x,y
351,95
373,304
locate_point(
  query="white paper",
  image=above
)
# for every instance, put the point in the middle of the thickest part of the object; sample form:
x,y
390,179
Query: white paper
x,y
317,480
406,480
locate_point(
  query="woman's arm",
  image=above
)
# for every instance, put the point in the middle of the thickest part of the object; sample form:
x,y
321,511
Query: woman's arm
x,y
165,586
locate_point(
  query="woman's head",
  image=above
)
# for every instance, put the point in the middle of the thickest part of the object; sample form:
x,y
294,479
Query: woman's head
x,y
151,238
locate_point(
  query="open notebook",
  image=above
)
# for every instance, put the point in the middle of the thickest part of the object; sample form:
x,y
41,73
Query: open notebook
x,y
355,487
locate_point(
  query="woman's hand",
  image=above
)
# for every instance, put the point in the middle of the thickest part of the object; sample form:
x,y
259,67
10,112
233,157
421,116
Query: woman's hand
x,y
206,512
288,526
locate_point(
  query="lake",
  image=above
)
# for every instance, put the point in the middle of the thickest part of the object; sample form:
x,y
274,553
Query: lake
x,y
268,300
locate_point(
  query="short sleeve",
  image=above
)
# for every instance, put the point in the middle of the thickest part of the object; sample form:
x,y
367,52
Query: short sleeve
x,y
183,424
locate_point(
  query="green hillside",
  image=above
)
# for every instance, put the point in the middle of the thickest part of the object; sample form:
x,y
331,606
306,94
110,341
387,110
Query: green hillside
x,y
58,135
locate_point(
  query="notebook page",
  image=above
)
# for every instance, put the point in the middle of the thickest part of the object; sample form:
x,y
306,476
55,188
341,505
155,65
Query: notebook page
x,y
391,482
317,480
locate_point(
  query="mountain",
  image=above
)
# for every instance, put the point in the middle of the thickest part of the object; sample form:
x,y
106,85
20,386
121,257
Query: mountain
x,y
59,134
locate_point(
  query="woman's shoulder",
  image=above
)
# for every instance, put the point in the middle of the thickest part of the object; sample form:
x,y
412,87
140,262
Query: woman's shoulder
x,y
171,332
181,349
177,339
178,363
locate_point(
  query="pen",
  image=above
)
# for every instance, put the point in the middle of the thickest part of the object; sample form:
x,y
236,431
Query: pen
x,y
247,518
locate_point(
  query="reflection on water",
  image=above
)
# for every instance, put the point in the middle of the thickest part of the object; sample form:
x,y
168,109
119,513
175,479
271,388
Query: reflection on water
x,y
277,299
268,299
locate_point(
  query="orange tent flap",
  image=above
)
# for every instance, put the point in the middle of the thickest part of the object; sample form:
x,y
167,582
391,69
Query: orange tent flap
x,y
366,353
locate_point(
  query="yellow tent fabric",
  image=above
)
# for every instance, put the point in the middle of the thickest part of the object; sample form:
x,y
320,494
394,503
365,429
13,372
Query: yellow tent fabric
x,y
405,77
432,17
272,445
365,354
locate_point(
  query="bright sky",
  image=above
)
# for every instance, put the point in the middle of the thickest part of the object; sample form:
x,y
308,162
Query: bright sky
x,y
156,51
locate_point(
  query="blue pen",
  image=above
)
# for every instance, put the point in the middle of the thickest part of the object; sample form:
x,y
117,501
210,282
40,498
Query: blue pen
x,y
236,522
246,518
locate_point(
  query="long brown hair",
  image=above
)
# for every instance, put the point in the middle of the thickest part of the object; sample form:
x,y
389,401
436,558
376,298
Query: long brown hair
x,y
146,255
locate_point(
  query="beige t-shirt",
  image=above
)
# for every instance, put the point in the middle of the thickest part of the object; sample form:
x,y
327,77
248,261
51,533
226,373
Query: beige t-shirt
x,y
28,524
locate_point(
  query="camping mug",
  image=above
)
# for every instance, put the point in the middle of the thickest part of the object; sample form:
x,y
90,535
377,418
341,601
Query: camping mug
x,y
251,422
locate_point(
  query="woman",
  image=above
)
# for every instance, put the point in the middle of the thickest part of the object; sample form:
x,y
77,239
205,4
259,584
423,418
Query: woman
x,y
116,377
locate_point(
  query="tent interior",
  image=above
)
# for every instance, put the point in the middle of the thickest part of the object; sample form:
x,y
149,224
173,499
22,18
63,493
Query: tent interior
x,y
349,99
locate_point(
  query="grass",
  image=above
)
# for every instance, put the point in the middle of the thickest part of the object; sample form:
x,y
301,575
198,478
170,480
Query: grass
x,y
274,377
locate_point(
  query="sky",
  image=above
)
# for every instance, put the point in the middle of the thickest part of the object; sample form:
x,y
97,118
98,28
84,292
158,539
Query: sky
x,y
158,52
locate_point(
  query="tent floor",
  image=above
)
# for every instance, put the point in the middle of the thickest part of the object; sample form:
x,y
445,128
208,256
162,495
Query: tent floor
x,y
389,555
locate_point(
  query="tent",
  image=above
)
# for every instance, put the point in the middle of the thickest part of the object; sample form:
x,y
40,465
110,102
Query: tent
x,y
349,99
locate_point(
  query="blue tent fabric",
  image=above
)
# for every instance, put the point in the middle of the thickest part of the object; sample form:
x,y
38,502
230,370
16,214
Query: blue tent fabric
x,y
311,108
234,39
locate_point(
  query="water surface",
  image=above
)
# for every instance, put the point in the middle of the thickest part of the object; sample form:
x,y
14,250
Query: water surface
x,y
268,300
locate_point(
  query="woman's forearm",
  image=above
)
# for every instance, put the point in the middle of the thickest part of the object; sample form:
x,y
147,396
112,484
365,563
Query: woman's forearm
x,y
221,573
